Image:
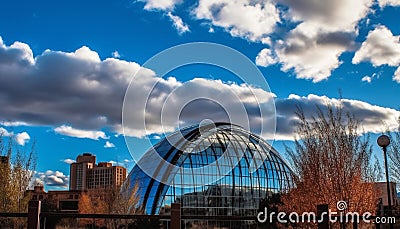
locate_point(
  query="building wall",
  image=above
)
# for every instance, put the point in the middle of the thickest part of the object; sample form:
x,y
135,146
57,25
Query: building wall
x,y
382,193
381,190
57,200
78,175
86,175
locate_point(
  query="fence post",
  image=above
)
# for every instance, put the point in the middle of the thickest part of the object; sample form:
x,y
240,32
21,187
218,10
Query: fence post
x,y
323,208
34,207
175,216
355,225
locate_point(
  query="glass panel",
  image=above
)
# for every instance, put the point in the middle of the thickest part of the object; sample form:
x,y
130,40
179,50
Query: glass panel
x,y
252,169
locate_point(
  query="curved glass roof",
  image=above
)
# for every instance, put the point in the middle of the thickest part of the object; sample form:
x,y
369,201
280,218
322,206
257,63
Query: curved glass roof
x,y
216,169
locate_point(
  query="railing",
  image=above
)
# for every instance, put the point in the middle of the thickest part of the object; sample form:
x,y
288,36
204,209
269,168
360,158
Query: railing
x,y
37,219
34,216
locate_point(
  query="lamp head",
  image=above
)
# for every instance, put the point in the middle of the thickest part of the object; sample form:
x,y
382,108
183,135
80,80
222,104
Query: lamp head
x,y
383,141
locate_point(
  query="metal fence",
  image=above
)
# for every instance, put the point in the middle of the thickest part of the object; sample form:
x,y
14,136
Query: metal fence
x,y
35,219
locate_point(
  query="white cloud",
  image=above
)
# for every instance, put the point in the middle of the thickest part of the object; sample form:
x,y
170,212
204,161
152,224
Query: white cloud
x,y
109,145
75,88
334,15
56,80
396,76
160,4
179,25
77,133
116,163
17,123
115,54
53,178
325,31
83,53
128,161
367,79
22,138
312,49
5,133
266,58
69,161
312,53
322,31
381,47
171,96
253,20
383,3
373,118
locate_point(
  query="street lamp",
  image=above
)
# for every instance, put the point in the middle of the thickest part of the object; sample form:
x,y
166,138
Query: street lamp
x,y
384,141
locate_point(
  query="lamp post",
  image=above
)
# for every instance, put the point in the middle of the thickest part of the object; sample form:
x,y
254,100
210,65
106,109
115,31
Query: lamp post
x,y
383,141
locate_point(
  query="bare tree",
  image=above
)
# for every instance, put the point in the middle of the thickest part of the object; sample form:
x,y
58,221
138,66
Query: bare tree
x,y
16,173
17,167
394,154
332,160
111,200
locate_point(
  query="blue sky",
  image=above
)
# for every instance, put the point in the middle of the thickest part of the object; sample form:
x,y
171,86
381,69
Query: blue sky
x,y
64,66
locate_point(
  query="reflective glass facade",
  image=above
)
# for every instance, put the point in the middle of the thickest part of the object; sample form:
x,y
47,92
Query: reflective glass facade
x,y
221,169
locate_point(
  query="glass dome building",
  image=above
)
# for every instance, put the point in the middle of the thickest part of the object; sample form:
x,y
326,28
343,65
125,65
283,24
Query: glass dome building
x,y
217,169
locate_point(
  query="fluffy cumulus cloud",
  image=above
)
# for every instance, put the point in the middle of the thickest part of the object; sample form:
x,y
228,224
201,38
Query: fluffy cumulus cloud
x,y
167,6
53,178
334,15
56,87
160,4
109,144
383,3
81,95
373,118
172,104
396,76
77,133
179,25
324,32
21,138
254,20
315,35
380,48
116,54
312,54
4,132
266,58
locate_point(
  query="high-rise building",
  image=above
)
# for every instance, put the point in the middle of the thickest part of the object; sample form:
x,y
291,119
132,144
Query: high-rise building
x,y
78,171
85,174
